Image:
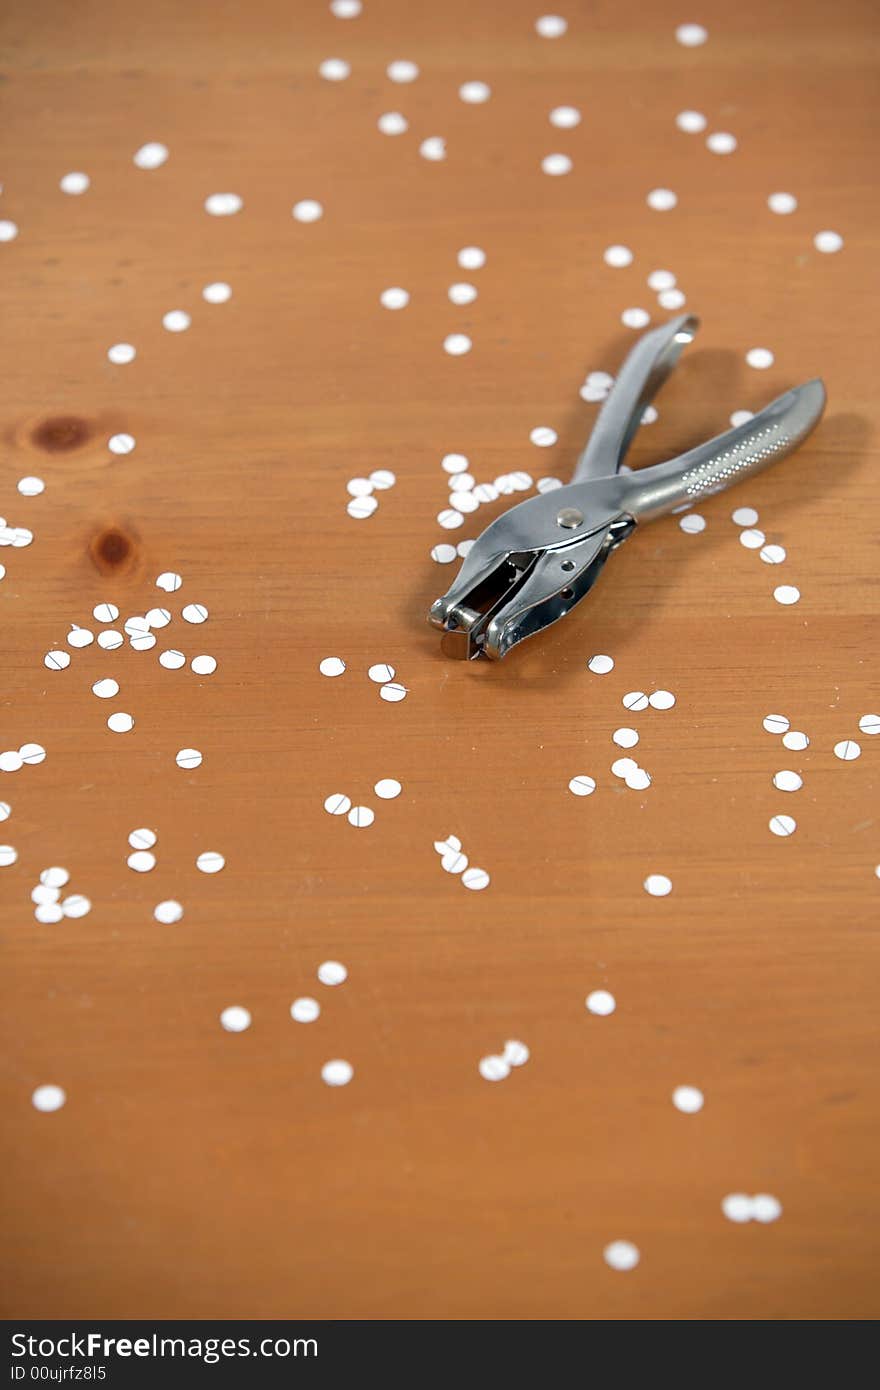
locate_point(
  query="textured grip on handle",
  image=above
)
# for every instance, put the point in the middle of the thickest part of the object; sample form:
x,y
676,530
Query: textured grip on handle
x,y
779,428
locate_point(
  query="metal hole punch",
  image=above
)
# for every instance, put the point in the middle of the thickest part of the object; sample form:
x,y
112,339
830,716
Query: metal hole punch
x,y
534,563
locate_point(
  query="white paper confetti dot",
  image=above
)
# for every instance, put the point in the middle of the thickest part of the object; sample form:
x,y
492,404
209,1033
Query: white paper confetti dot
x,y
10,761
346,9
223,204
337,1072
625,738
847,750
721,142
31,486
218,292
48,1098
110,640
106,689
337,804
5,810
543,436
692,122
332,972
556,164
382,478
334,69
189,758
443,554
74,183
105,612
516,1053
454,862
787,781
32,753
76,906
565,117
782,825
661,199
8,856
387,788
235,1019
392,123
776,723
305,1009
394,298
475,879
828,242
169,581
176,321
168,912
142,861
393,692
621,1254
8,230
360,817
760,358
172,659
601,1003
744,516
194,613
57,660
49,913
307,210
601,665
617,256
661,699
658,885
635,700
42,894
402,70
332,666
637,779
494,1067
204,665
737,1207
670,299
582,785
786,594
151,155
471,258
121,353
551,26
795,740
210,862
691,35
55,876
782,203
870,724
742,417
773,554
635,318
361,507
457,344
765,1208
120,722
475,93
692,523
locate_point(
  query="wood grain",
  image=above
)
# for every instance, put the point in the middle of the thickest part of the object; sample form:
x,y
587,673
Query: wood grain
x,y
195,1173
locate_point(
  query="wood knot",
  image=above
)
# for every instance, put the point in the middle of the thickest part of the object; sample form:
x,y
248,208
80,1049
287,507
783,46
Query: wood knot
x,y
113,550
61,433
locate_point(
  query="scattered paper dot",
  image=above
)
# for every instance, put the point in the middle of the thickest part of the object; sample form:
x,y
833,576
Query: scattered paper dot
x,y
621,1254
57,660
106,689
457,344
475,93
658,885
169,581
334,69
744,516
48,1098
565,117
601,1003
661,699
635,318
189,758
141,860
551,26
462,293
494,1068
773,554
393,692
402,70
121,353
760,358
625,738
870,724
387,788
307,210
332,972
787,781
235,1019
617,256
721,142
194,613
392,123
443,554
691,35
786,594
8,230
218,292
332,666
337,804
847,750
8,856
168,912
692,524
337,1073
210,862
76,906
223,204
783,825
172,659
120,722
346,9
361,817
556,164
582,785
516,1053
305,1009
176,321
475,879
828,242
692,122
782,203
796,741
661,199
30,486
151,155
394,298
204,665
776,723
471,257
601,665
32,753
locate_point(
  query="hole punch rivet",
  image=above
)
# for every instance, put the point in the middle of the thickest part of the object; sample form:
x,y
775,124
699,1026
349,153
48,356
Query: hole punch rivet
x,y
570,518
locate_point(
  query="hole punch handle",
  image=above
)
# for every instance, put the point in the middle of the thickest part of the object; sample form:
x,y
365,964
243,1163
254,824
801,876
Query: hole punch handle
x,y
638,381
768,436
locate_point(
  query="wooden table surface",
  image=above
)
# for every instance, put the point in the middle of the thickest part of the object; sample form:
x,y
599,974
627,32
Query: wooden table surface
x,y
195,1171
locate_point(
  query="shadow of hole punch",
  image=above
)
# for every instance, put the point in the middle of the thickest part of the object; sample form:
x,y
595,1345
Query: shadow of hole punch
x,y
114,549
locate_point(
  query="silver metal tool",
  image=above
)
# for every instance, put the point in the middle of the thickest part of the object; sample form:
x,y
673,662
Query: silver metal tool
x,y
536,561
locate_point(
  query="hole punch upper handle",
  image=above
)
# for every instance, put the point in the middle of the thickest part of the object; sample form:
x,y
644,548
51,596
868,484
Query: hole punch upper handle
x,y
740,452
638,381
